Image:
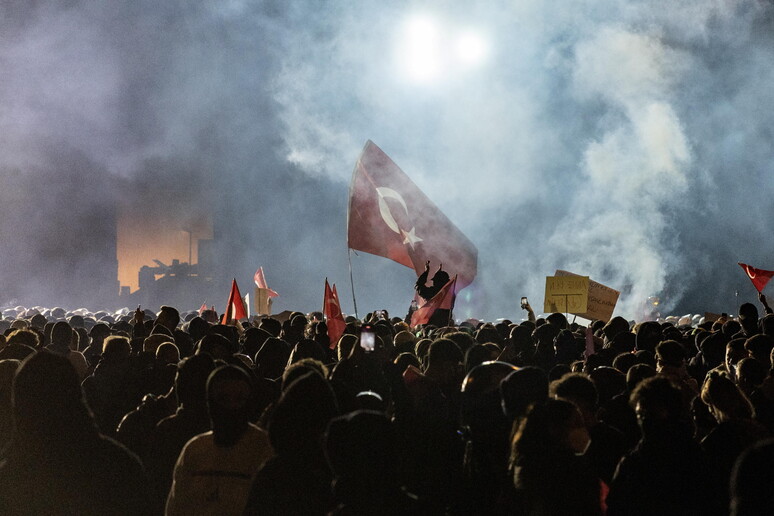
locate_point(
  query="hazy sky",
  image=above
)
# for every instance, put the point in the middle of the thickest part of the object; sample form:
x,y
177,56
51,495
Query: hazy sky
x,y
626,140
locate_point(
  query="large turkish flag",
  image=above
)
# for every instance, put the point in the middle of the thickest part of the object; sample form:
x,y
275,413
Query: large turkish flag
x,y
390,216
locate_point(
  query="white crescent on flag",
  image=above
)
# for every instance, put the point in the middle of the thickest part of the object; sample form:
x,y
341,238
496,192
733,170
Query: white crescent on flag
x,y
409,237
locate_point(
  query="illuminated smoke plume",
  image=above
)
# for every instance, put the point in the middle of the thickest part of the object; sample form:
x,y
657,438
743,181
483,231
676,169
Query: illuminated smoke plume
x,y
629,141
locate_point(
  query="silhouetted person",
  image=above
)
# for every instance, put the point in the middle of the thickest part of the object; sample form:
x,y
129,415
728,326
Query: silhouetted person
x,y
607,443
751,492
545,356
431,447
297,481
760,347
361,451
648,336
736,429
667,472
191,418
440,317
8,369
62,339
58,463
271,359
99,332
671,362
550,475
112,390
748,318
486,431
215,469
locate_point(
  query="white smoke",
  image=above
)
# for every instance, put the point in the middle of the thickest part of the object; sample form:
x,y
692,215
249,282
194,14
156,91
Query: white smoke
x,y
625,140
580,129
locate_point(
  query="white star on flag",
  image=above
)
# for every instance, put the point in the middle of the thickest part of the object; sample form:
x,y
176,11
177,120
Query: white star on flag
x,y
410,237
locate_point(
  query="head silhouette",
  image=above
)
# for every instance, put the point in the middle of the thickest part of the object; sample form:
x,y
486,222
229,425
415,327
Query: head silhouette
x,y
229,391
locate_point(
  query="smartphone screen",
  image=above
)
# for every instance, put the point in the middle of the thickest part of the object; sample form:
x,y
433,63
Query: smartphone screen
x,y
367,338
523,302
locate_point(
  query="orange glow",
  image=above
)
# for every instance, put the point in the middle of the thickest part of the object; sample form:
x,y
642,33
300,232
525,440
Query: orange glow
x,y
159,233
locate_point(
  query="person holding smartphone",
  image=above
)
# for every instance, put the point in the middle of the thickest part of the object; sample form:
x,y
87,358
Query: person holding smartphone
x,y
526,306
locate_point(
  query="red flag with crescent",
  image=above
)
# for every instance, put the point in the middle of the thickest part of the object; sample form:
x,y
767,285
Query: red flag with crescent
x,y
333,316
235,308
759,277
390,216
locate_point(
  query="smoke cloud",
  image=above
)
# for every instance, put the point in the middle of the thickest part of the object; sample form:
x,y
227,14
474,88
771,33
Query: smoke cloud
x,y
627,141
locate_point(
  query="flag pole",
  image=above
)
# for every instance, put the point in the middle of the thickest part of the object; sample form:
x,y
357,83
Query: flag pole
x,y
351,281
349,213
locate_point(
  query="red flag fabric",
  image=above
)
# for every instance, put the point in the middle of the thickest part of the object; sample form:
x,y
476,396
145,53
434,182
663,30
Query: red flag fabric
x,y
589,342
235,308
202,308
759,277
260,282
444,299
334,318
390,216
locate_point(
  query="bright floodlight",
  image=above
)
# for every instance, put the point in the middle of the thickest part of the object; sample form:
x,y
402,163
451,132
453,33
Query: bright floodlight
x,y
428,51
422,49
471,48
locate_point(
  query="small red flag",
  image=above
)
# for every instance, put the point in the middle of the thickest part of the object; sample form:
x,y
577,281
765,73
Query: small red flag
x,y
589,343
443,300
333,316
390,216
759,277
260,282
202,308
235,308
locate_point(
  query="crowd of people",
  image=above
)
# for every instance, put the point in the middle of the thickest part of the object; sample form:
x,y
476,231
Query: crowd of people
x,y
177,414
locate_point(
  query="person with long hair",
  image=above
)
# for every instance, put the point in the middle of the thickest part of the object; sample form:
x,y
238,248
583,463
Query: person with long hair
x,y
736,429
550,474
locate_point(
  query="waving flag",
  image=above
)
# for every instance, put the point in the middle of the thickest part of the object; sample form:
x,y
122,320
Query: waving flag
x,y
759,277
260,282
235,308
390,216
333,316
443,300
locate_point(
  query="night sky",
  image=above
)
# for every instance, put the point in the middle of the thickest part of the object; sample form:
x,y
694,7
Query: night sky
x,y
630,141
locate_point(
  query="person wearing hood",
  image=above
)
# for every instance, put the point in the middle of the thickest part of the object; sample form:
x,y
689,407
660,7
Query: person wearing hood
x,y
297,479
215,470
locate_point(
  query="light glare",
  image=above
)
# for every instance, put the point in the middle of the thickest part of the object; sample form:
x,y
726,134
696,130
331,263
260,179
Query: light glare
x,y
428,50
471,48
422,49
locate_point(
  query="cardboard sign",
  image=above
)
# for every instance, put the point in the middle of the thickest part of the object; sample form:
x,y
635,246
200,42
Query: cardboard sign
x,y
601,302
566,294
262,301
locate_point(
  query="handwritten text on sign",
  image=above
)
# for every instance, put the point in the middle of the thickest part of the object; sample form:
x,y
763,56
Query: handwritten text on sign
x,y
566,294
602,300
